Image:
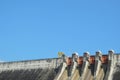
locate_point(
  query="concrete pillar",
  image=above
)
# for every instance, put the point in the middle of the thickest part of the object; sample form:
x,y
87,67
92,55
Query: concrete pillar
x,y
74,66
64,65
110,65
98,64
75,56
85,65
64,58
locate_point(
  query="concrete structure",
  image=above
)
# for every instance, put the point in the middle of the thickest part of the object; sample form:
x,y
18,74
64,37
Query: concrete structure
x,y
86,67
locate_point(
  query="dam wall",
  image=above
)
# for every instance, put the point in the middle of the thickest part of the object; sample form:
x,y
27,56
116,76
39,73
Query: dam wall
x,y
42,69
87,67
31,64
92,67
116,68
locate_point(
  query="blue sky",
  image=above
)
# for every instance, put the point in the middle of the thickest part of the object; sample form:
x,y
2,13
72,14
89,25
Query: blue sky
x,y
35,29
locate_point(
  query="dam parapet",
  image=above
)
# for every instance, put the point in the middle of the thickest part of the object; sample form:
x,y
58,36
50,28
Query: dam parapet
x,y
31,64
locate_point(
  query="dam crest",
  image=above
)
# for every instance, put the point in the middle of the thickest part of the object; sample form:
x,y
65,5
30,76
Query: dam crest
x,y
87,67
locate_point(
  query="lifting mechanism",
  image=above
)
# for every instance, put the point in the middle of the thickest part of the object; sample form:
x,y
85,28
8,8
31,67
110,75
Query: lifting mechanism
x,y
80,61
104,59
69,61
92,60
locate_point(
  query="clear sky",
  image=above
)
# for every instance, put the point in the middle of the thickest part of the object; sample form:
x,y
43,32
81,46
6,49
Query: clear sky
x,y
35,29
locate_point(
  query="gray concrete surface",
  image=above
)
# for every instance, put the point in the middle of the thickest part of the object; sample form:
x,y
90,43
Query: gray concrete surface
x,y
30,64
28,74
45,69
116,70
57,69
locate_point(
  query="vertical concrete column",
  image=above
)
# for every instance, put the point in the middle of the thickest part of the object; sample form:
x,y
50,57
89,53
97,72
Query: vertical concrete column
x,y
110,65
64,65
75,56
64,58
97,64
85,65
74,65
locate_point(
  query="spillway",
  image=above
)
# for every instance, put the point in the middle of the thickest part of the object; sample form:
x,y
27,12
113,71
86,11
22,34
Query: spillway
x,y
76,75
86,67
101,72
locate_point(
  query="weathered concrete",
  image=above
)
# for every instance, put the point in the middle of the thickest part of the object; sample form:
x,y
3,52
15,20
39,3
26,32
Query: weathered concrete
x,y
28,74
31,64
110,65
116,68
45,69
62,72
74,70
102,69
95,67
86,68
98,64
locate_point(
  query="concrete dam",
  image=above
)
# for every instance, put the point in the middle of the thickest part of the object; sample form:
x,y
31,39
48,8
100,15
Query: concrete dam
x,y
86,67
